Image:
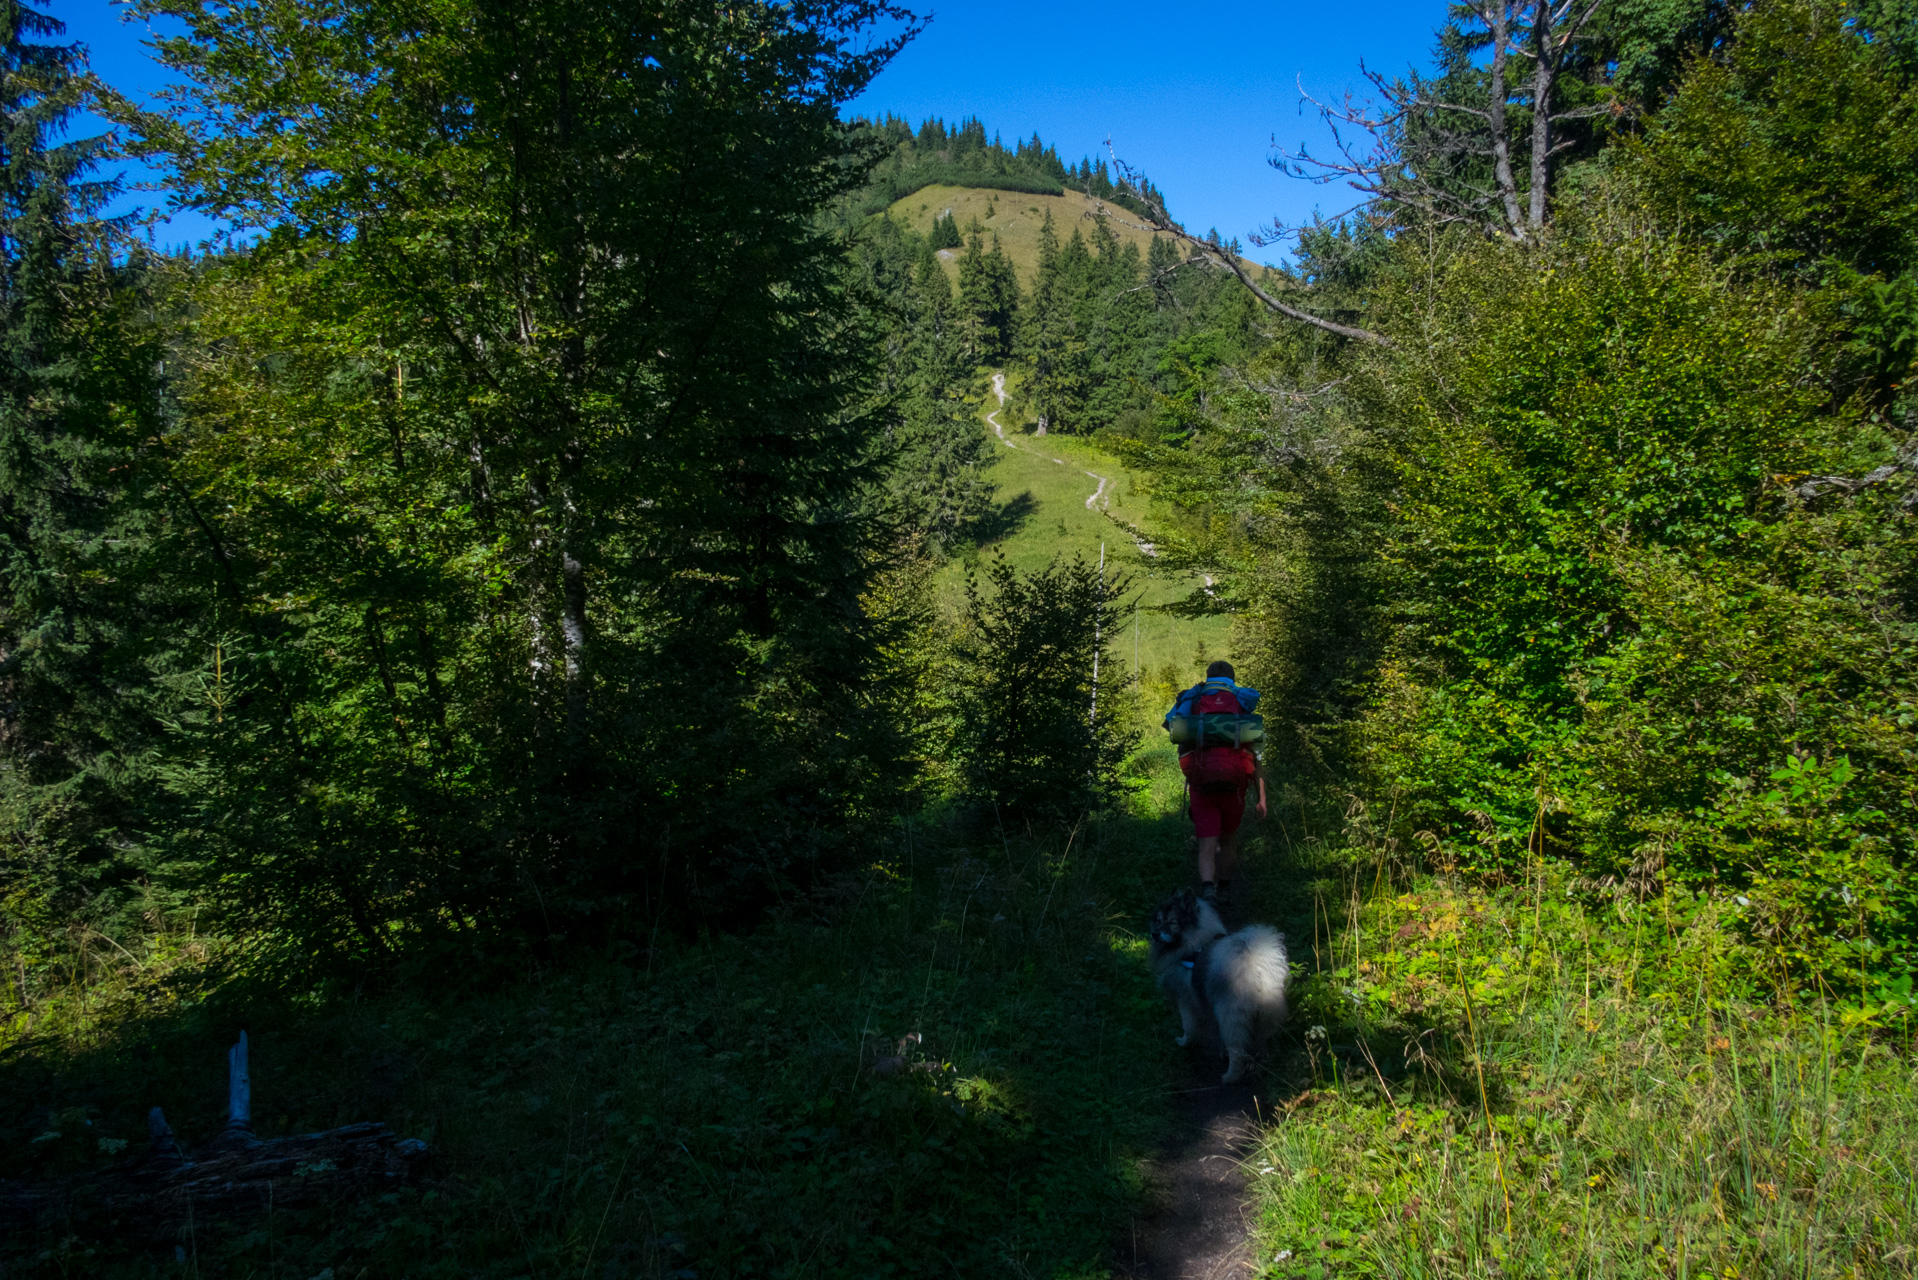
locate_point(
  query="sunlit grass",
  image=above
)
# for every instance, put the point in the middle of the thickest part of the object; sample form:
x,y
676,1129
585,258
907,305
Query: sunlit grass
x,y
1050,518
1643,1122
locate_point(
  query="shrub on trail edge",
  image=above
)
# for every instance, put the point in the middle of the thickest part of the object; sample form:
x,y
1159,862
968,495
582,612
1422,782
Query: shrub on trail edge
x,y
1618,631
1034,734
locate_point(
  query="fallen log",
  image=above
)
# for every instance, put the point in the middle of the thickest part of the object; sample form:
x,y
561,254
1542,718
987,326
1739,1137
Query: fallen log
x,y
158,1193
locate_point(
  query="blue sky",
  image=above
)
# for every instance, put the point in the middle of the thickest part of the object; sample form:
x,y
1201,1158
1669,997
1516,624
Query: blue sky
x,y
1195,99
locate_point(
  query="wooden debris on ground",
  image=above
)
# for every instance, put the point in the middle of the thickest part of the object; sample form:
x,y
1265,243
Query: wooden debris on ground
x,y
159,1192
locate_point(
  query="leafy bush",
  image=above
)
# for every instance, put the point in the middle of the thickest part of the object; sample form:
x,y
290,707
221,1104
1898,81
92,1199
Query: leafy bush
x,y
1618,624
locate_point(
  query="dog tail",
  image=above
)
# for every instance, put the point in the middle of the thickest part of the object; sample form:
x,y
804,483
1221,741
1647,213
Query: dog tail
x,y
1258,974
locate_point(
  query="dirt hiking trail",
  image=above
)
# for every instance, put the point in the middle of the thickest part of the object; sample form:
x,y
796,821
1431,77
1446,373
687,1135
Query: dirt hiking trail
x,y
1196,1227
1094,503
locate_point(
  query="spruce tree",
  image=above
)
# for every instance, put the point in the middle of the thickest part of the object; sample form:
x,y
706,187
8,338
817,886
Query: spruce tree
x,y
557,423
937,475
1119,336
1052,343
83,595
988,300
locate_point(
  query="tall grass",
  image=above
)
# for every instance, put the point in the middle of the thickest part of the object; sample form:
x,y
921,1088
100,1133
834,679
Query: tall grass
x,y
1637,1119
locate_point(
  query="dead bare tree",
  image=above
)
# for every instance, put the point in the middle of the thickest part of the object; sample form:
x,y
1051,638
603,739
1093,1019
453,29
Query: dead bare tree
x,y
1206,251
1446,148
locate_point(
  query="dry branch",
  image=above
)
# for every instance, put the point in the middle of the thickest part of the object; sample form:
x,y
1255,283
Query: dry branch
x,y
1419,144
156,1194
1806,488
1161,222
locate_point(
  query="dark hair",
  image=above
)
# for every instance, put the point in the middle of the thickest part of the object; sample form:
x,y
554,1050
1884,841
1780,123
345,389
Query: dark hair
x,y
1221,668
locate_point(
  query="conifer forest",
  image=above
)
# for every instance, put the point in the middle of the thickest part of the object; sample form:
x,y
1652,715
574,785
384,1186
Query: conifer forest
x,y
557,716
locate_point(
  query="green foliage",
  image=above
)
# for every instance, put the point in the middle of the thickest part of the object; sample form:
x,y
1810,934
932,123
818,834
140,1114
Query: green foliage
x,y
1052,343
1034,734
1795,154
1622,396
1796,151
1606,1105
945,233
93,577
1616,624
1548,574
496,559
988,300
935,472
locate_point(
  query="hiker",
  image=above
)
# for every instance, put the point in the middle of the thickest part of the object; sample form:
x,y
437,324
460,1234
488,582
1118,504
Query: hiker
x,y
1213,723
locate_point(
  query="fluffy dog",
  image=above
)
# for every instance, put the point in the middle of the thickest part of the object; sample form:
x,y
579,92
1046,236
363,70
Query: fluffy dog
x,y
1231,985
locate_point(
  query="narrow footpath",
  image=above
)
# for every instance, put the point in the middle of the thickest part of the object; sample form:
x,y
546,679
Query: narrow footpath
x,y
1196,1226
1097,502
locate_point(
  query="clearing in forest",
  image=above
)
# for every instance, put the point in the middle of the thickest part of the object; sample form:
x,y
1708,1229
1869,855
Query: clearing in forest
x,y
1042,511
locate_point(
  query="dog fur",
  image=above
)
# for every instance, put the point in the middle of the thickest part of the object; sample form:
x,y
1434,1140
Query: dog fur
x,y
1229,988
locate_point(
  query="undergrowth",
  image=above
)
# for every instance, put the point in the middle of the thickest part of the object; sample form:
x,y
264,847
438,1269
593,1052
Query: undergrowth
x,y
1549,1077
702,1107
1556,1078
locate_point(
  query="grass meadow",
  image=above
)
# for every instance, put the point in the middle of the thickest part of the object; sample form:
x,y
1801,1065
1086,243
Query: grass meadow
x,y
1016,218
1545,1078
1043,513
704,1106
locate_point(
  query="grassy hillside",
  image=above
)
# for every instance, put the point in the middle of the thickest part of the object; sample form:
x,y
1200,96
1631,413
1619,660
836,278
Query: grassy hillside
x,y
1014,217
1043,488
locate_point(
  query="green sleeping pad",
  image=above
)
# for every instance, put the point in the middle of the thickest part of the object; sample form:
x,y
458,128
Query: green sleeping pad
x,y
1221,729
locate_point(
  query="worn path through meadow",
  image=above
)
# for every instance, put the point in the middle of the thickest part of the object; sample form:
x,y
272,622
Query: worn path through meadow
x,y
1097,502
1197,1224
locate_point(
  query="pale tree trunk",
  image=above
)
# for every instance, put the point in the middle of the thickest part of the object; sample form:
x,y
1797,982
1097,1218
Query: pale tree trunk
x,y
1544,76
542,660
1497,17
572,578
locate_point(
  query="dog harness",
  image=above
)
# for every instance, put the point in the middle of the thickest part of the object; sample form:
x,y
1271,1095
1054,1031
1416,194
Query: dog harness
x,y
1199,965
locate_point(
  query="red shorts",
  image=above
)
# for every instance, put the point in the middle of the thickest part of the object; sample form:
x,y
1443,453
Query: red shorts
x,y
1217,815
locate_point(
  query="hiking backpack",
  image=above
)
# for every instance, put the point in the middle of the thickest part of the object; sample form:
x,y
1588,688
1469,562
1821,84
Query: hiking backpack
x,y
1213,724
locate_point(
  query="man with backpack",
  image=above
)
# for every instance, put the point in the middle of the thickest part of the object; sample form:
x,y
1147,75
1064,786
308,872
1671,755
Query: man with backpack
x,y
1214,725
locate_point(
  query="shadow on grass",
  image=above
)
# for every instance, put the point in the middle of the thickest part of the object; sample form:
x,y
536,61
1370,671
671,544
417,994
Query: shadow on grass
x,y
1196,1216
952,1062
1005,519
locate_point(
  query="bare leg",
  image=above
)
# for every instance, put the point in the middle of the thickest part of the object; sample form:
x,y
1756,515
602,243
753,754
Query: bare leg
x,y
1208,859
1227,861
